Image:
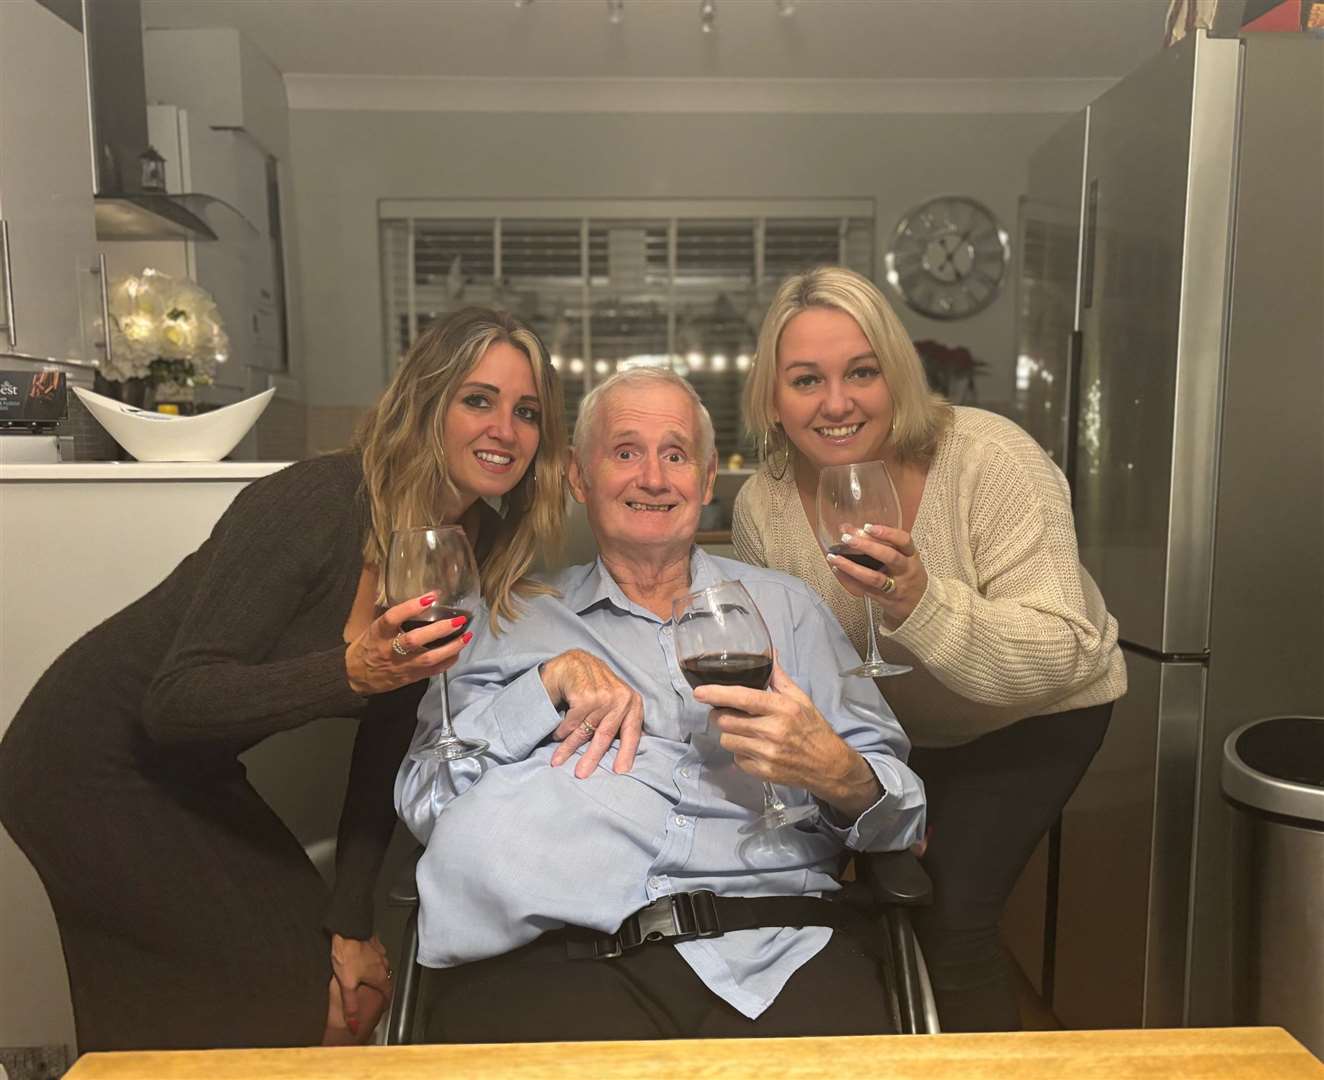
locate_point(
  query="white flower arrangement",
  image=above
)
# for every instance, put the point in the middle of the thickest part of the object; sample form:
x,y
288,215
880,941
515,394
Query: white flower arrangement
x,y
164,329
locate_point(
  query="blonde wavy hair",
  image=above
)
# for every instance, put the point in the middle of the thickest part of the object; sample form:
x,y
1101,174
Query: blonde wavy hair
x,y
919,416
405,472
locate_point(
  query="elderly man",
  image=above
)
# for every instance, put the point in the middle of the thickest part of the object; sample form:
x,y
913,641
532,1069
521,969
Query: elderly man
x,y
531,868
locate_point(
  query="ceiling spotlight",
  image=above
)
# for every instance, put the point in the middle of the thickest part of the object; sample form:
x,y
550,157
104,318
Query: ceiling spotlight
x,y
616,11
785,8
707,15
523,3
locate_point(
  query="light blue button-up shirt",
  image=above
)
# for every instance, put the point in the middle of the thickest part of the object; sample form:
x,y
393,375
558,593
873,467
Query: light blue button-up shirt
x,y
515,847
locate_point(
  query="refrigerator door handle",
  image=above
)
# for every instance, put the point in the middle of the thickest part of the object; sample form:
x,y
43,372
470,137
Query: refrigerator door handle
x,y
1075,343
1087,256
105,343
10,325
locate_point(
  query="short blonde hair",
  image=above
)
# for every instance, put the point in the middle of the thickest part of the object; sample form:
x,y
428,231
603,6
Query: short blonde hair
x,y
919,415
407,477
586,423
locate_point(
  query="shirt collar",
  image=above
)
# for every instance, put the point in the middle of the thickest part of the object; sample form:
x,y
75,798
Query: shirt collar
x,y
599,587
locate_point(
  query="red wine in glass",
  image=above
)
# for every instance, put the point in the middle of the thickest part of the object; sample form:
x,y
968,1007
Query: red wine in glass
x,y
436,559
849,497
439,614
858,558
721,639
753,670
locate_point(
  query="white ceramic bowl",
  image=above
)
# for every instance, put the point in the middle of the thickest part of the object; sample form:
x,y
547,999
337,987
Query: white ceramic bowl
x,y
151,436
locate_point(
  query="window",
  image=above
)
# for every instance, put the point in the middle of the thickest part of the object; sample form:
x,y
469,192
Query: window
x,y
677,283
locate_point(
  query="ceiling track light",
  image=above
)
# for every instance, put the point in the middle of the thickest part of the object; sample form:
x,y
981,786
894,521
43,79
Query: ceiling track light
x,y
707,15
785,8
615,12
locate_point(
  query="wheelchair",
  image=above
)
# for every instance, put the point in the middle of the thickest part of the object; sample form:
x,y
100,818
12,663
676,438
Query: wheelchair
x,y
886,886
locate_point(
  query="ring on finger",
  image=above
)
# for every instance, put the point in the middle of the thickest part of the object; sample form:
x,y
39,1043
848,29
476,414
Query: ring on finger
x,y
587,729
398,646
888,586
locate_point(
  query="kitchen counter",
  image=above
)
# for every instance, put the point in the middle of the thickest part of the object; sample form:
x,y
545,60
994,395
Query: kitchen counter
x,y
119,471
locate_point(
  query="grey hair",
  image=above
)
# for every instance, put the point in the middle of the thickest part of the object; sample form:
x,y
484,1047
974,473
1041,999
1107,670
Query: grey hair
x,y
640,378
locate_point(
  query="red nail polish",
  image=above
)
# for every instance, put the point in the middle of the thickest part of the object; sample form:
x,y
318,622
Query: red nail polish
x,y
467,638
460,621
427,601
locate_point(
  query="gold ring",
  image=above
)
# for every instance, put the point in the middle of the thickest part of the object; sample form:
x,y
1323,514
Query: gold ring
x,y
587,728
397,647
888,586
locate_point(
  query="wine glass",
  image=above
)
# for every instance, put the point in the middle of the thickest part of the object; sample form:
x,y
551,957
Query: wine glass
x,y
849,497
721,639
436,559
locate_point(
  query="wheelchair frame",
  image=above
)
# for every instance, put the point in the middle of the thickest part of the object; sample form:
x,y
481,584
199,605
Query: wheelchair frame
x,y
895,883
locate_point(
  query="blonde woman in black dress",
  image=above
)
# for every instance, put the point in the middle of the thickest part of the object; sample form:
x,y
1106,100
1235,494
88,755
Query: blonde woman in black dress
x,y
190,916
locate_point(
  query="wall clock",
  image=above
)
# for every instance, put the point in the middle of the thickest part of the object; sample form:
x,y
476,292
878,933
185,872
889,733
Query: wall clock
x,y
948,257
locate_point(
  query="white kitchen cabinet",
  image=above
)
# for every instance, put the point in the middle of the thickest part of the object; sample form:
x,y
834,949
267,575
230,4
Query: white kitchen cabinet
x,y
49,296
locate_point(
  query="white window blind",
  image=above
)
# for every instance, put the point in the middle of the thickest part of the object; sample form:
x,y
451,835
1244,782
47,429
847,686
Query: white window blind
x,y
678,283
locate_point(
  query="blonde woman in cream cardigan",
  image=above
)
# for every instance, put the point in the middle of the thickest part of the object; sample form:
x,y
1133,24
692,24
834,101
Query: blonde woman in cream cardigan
x,y
1016,662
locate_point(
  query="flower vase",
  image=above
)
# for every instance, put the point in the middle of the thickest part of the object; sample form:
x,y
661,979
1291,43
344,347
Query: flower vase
x,y
169,392
135,392
130,391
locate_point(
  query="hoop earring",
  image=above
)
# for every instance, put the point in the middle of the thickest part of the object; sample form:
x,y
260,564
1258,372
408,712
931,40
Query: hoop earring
x,y
768,454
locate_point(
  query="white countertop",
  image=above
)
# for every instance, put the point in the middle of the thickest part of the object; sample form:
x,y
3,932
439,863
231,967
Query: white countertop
x,y
137,471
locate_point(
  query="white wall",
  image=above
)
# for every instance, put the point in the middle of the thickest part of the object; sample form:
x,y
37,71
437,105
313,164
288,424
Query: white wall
x,y
344,161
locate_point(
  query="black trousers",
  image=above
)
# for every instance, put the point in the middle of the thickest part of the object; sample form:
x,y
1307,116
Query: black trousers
x,y
989,803
534,995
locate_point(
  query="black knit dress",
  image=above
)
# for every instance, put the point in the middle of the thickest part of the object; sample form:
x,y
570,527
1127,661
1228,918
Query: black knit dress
x,y
189,914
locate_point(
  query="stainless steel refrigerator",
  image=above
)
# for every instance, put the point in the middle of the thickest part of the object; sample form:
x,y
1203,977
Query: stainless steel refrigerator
x,y
1171,342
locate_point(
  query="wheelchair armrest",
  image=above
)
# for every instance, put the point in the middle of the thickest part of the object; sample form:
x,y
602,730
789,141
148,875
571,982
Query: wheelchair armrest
x,y
404,890
895,877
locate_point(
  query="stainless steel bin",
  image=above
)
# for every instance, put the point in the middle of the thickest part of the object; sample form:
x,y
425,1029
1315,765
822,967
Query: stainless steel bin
x,y
1273,770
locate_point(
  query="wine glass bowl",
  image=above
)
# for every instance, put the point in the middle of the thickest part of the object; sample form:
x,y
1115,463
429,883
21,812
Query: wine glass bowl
x,y
850,497
436,559
721,639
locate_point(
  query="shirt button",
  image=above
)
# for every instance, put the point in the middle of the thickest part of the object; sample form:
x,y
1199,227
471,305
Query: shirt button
x,y
655,883
681,822
686,772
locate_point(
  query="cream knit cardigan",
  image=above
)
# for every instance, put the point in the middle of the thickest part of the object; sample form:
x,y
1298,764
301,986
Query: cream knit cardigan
x,y
1011,625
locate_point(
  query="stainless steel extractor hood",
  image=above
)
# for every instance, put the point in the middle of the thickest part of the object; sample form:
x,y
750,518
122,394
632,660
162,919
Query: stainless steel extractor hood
x,y
117,90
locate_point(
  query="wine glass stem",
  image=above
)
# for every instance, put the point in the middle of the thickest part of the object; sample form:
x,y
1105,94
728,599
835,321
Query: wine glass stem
x,y
771,803
873,657
447,732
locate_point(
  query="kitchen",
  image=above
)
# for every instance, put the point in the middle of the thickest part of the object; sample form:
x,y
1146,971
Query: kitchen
x,y
389,182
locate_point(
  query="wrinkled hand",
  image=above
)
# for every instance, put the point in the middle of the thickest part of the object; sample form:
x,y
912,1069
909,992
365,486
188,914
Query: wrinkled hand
x,y
374,666
363,977
779,736
896,551
599,709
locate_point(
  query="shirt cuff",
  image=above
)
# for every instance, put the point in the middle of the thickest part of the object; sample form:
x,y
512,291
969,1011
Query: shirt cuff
x,y
525,715
862,833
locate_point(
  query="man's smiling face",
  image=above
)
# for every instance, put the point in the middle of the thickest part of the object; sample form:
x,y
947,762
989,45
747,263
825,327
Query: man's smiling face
x,y
644,482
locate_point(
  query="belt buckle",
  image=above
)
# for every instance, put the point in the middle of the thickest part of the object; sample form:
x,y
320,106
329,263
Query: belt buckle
x,y
677,917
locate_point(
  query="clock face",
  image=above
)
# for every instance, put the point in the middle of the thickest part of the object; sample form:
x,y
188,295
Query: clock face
x,y
948,257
